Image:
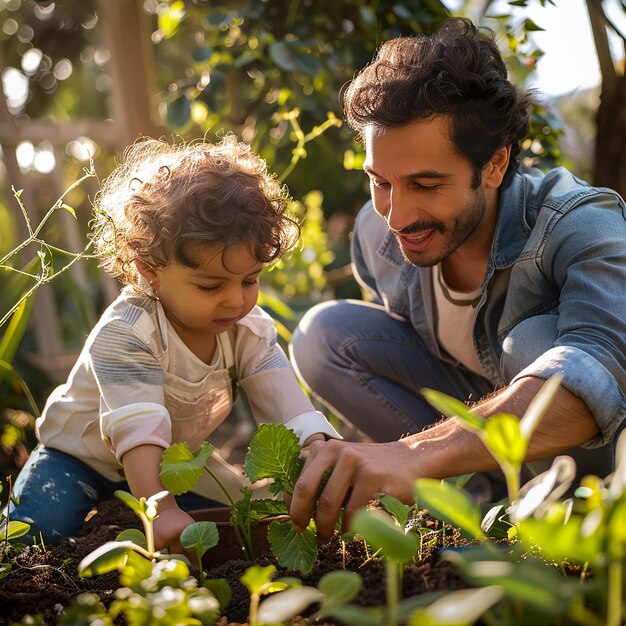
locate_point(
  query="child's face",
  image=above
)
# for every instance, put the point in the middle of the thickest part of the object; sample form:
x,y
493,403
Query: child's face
x,y
210,299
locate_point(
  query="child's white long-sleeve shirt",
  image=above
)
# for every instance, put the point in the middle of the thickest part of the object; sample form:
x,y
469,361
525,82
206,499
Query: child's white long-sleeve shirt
x,y
136,382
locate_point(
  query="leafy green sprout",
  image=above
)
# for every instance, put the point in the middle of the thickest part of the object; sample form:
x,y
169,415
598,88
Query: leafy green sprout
x,y
200,537
181,469
116,555
11,530
504,435
383,533
258,581
274,454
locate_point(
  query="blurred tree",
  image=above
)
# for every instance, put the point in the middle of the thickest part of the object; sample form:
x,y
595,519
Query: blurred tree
x,y
610,146
234,66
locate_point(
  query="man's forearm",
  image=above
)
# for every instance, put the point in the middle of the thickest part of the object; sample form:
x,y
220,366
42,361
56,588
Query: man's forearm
x,y
450,449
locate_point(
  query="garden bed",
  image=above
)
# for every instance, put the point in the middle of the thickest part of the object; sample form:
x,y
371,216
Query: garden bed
x,y
46,581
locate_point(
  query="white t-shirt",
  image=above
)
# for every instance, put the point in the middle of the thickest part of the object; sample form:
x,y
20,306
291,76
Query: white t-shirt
x,y
136,382
456,311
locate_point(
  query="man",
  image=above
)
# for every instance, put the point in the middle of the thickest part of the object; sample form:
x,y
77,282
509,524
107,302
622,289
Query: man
x,y
484,277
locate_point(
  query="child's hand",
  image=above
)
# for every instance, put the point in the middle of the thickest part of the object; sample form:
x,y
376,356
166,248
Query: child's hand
x,y
168,526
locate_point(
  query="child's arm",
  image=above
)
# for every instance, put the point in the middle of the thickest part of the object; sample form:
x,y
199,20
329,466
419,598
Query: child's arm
x,y
141,466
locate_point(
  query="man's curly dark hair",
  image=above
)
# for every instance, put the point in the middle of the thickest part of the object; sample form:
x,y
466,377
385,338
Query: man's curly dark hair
x,y
458,72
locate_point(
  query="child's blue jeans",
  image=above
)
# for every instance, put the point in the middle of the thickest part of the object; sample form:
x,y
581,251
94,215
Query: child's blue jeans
x,y
55,491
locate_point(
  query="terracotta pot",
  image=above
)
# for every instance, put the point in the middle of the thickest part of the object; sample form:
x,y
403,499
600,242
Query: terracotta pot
x,y
229,548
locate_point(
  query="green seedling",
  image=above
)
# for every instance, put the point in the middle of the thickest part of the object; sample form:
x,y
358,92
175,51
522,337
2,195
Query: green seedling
x,y
200,537
10,530
504,435
451,505
383,533
333,593
131,548
274,453
258,581
181,469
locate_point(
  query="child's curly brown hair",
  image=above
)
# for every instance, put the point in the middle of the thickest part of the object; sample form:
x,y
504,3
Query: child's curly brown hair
x,y
165,199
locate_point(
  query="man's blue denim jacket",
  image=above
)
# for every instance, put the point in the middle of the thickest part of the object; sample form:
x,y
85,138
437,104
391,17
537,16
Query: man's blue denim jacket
x,y
560,251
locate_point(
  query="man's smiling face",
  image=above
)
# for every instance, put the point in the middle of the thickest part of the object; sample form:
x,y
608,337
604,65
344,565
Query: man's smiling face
x,y
423,188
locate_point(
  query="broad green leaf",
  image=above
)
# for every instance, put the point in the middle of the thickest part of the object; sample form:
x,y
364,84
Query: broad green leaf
x,y
108,557
134,535
451,407
287,604
295,551
338,587
135,570
504,440
451,505
458,607
201,536
274,453
382,533
257,577
13,530
181,468
397,508
264,507
220,588
539,405
281,54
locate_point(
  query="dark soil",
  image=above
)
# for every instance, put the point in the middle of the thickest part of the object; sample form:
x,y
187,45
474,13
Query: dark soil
x,y
46,581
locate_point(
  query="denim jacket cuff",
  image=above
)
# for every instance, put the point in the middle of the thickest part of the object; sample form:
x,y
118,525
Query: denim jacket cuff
x,y
588,379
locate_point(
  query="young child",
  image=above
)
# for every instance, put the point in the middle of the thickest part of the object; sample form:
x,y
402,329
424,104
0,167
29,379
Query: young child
x,y
188,228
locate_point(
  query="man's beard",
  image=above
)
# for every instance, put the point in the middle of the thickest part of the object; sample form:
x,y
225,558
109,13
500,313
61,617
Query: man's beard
x,y
461,229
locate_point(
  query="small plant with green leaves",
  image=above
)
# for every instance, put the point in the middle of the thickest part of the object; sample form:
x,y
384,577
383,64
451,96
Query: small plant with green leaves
x,y
504,435
586,531
11,530
131,544
274,454
159,593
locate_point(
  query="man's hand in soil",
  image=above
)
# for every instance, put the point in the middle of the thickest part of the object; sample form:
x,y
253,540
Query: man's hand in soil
x,y
360,471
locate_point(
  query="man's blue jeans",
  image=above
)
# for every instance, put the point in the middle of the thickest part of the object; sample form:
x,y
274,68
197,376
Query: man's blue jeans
x,y
369,368
55,491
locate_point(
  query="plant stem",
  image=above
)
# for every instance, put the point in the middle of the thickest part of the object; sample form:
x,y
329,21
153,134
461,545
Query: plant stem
x,y
244,535
220,484
614,602
254,609
149,531
512,480
392,570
